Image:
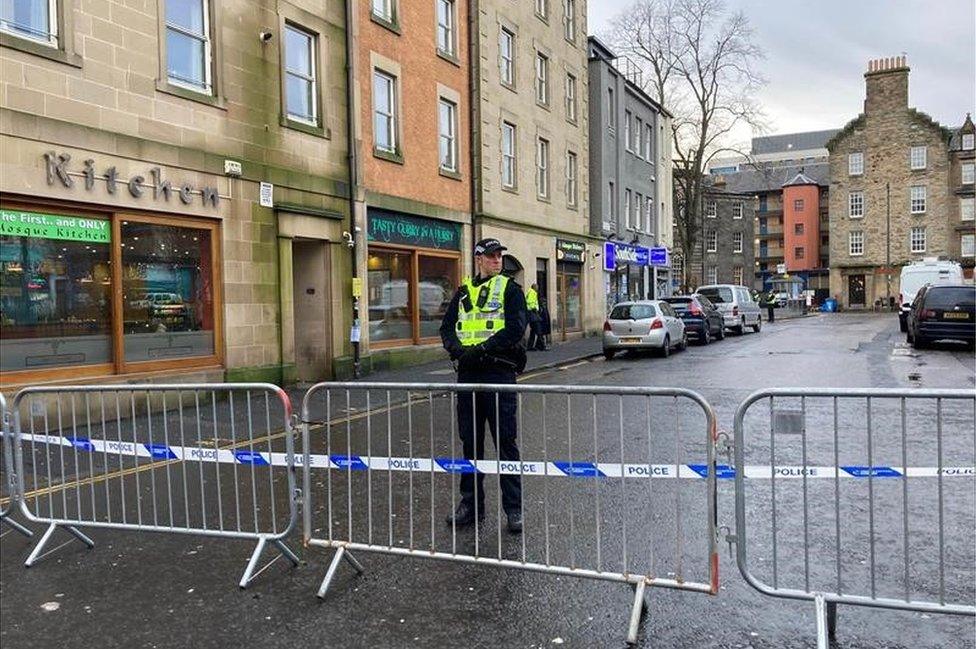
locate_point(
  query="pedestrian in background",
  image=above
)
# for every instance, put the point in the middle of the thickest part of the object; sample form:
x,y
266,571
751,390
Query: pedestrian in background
x,y
536,342
482,330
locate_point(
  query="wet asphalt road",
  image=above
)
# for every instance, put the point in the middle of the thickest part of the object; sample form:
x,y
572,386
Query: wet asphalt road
x,y
151,590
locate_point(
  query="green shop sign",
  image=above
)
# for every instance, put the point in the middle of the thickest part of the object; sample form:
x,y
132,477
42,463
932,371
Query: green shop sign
x,y
394,227
14,223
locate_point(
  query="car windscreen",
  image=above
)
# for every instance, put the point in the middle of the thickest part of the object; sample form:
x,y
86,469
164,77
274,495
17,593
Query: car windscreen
x,y
633,312
950,297
680,304
717,294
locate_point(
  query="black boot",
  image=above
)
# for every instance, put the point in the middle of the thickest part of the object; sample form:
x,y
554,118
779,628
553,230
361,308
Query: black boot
x,y
514,522
465,515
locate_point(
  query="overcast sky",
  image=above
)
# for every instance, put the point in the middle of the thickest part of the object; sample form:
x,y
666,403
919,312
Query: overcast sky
x,y
817,53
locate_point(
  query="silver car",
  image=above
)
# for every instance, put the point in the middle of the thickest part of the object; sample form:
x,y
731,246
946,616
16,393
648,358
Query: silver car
x,y
644,324
736,305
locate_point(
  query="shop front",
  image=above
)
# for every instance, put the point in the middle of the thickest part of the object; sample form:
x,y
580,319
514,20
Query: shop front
x,y
413,268
635,272
567,311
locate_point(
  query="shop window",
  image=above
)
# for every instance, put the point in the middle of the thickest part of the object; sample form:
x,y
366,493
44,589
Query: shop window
x,y
166,289
438,280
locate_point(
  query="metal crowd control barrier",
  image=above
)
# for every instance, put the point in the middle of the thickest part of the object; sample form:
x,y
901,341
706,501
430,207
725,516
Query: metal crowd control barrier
x,y
6,465
618,485
847,513
213,460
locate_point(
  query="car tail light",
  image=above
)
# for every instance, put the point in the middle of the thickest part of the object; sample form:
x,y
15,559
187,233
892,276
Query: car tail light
x,y
657,324
606,325
693,310
735,310
925,314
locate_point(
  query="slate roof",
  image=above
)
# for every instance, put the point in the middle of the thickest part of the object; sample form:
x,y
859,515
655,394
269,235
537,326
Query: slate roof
x,y
792,141
772,178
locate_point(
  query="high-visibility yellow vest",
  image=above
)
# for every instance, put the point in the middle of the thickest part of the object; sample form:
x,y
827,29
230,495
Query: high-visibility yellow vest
x,y
481,310
532,299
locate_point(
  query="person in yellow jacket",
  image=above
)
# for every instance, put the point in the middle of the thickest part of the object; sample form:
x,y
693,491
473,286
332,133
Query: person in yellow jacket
x,y
482,330
536,341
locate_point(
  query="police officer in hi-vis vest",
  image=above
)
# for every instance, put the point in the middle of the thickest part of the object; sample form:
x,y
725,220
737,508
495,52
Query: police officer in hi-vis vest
x,y
482,331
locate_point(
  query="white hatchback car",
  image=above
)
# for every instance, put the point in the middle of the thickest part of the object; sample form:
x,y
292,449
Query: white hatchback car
x,y
644,324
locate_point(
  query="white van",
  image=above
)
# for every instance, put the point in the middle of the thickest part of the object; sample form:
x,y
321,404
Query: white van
x,y
916,275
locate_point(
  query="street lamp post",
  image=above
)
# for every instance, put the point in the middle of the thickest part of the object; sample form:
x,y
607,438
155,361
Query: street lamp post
x,y
887,244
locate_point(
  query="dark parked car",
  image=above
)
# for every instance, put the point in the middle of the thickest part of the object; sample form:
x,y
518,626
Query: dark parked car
x,y
703,322
942,312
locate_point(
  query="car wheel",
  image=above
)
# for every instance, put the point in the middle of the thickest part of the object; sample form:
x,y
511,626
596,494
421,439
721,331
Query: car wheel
x,y
739,328
721,333
756,328
920,343
683,345
609,354
666,348
706,337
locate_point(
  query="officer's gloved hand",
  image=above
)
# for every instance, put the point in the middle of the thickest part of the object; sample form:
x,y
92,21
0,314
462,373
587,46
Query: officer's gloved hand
x,y
455,352
472,356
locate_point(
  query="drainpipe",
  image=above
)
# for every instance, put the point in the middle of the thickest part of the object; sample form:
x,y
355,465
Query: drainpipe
x,y
355,248
474,118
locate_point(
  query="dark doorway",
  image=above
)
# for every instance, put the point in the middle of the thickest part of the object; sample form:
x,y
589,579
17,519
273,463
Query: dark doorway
x,y
855,290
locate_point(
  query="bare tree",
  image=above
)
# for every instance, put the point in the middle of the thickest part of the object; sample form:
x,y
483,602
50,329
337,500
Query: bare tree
x,y
700,63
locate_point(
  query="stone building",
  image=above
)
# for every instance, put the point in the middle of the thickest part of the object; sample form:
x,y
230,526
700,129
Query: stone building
x,y
413,173
630,181
962,245
890,199
137,240
531,154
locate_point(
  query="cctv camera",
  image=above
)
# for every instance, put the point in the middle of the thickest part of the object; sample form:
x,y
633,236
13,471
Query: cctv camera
x,y
265,36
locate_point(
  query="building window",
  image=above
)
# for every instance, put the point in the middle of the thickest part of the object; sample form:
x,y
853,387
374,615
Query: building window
x,y
638,131
711,209
611,111
188,47
917,157
62,303
968,141
855,243
917,199
509,161
737,210
678,266
967,208
506,48
627,222
737,275
612,207
712,275
35,20
569,20
968,173
542,168
638,210
917,239
542,9
736,242
855,205
967,244
572,179
301,87
447,128
648,149
855,164
541,79
384,112
797,228
711,241
571,98
628,118
798,252
394,294
798,205
445,27
649,215
383,9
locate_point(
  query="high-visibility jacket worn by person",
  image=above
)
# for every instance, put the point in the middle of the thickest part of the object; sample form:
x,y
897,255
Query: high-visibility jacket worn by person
x,y
532,299
481,310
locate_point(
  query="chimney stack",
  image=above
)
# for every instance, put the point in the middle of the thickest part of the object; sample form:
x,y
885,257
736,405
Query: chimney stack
x,y
886,84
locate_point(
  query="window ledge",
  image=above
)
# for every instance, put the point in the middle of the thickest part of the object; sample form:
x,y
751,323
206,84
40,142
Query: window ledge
x,y
450,58
389,156
543,199
393,26
543,106
39,49
511,189
318,131
447,173
572,121
168,88
509,86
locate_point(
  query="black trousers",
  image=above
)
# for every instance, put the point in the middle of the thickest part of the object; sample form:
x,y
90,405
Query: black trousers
x,y
474,410
535,338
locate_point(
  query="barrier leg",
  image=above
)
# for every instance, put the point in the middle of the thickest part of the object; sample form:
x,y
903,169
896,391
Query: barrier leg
x,y
636,612
822,623
330,573
17,526
36,553
832,620
249,573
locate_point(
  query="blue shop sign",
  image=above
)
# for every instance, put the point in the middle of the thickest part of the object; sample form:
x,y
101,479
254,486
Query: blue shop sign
x,y
659,257
615,253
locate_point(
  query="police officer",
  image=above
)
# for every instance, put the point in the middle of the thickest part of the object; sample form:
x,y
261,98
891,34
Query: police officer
x,y
482,330
535,319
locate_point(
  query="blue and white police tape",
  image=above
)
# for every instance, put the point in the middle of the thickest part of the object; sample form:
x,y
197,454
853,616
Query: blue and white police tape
x,y
575,469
